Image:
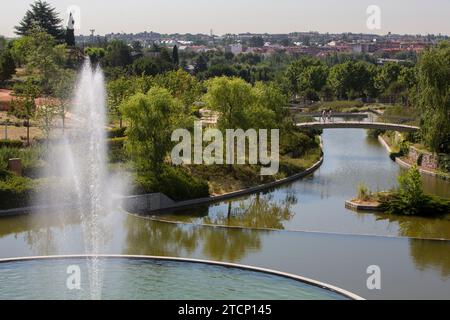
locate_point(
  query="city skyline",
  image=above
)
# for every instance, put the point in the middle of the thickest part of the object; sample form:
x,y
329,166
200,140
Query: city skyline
x,y
200,16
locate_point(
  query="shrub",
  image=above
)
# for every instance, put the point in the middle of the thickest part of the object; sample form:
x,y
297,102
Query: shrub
x,y
363,192
116,150
16,191
10,143
374,133
116,133
410,199
174,182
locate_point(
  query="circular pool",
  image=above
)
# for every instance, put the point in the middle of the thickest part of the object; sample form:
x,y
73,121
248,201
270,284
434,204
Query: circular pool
x,y
140,277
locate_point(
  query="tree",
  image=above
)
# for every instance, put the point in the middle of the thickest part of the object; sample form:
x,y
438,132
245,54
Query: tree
x,y
42,57
351,79
434,96
95,54
118,54
387,75
152,117
24,104
175,57
201,64
118,91
146,66
7,65
231,97
45,115
296,80
181,85
62,88
137,47
44,16
256,41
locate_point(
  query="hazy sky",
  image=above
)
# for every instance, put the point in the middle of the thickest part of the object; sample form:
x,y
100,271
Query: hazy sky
x,y
235,16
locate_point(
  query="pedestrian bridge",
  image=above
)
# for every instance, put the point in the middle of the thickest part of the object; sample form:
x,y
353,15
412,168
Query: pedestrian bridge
x,y
357,125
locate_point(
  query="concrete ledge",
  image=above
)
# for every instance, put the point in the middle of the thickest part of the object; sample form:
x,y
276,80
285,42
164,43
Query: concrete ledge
x,y
143,203
302,279
349,204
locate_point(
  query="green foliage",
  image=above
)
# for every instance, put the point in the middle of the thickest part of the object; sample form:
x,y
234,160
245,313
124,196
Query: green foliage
x,y
153,117
352,79
118,54
29,156
16,192
7,65
410,198
95,54
116,133
364,193
175,57
181,85
174,182
244,106
116,149
44,16
434,98
296,143
10,143
42,57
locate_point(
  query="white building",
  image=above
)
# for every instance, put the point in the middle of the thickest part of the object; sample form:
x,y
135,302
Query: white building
x,y
234,48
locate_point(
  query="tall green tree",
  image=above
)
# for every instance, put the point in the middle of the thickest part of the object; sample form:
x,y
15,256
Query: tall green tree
x,y
118,91
43,15
175,57
153,117
7,65
434,96
42,56
23,106
118,54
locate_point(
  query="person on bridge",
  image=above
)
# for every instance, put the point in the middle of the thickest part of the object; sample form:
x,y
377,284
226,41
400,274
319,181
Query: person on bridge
x,y
330,115
323,115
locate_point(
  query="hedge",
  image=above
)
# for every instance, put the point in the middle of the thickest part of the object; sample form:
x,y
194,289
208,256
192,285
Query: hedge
x,y
10,143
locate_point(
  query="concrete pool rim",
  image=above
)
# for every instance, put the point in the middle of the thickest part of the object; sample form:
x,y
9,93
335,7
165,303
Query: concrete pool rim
x,y
304,280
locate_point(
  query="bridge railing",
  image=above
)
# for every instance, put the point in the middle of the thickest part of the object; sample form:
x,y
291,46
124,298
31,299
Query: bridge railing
x,y
369,118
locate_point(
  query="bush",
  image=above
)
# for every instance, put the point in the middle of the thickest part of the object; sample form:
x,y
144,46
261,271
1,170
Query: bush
x,y
374,133
116,150
16,191
364,193
296,143
10,143
338,105
174,182
29,156
410,199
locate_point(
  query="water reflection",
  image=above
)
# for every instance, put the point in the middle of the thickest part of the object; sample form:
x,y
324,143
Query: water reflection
x,y
438,258
148,237
351,158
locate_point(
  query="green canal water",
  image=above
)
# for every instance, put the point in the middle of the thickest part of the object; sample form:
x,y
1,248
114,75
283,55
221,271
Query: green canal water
x,y
315,235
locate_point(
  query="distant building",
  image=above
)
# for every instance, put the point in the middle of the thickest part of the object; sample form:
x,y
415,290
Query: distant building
x,y
234,48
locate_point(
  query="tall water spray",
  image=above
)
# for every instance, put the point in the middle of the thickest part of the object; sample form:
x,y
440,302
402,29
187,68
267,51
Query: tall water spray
x,y
78,165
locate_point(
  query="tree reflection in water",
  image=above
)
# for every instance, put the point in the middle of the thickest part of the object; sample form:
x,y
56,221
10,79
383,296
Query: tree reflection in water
x,y
146,237
435,257
259,211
